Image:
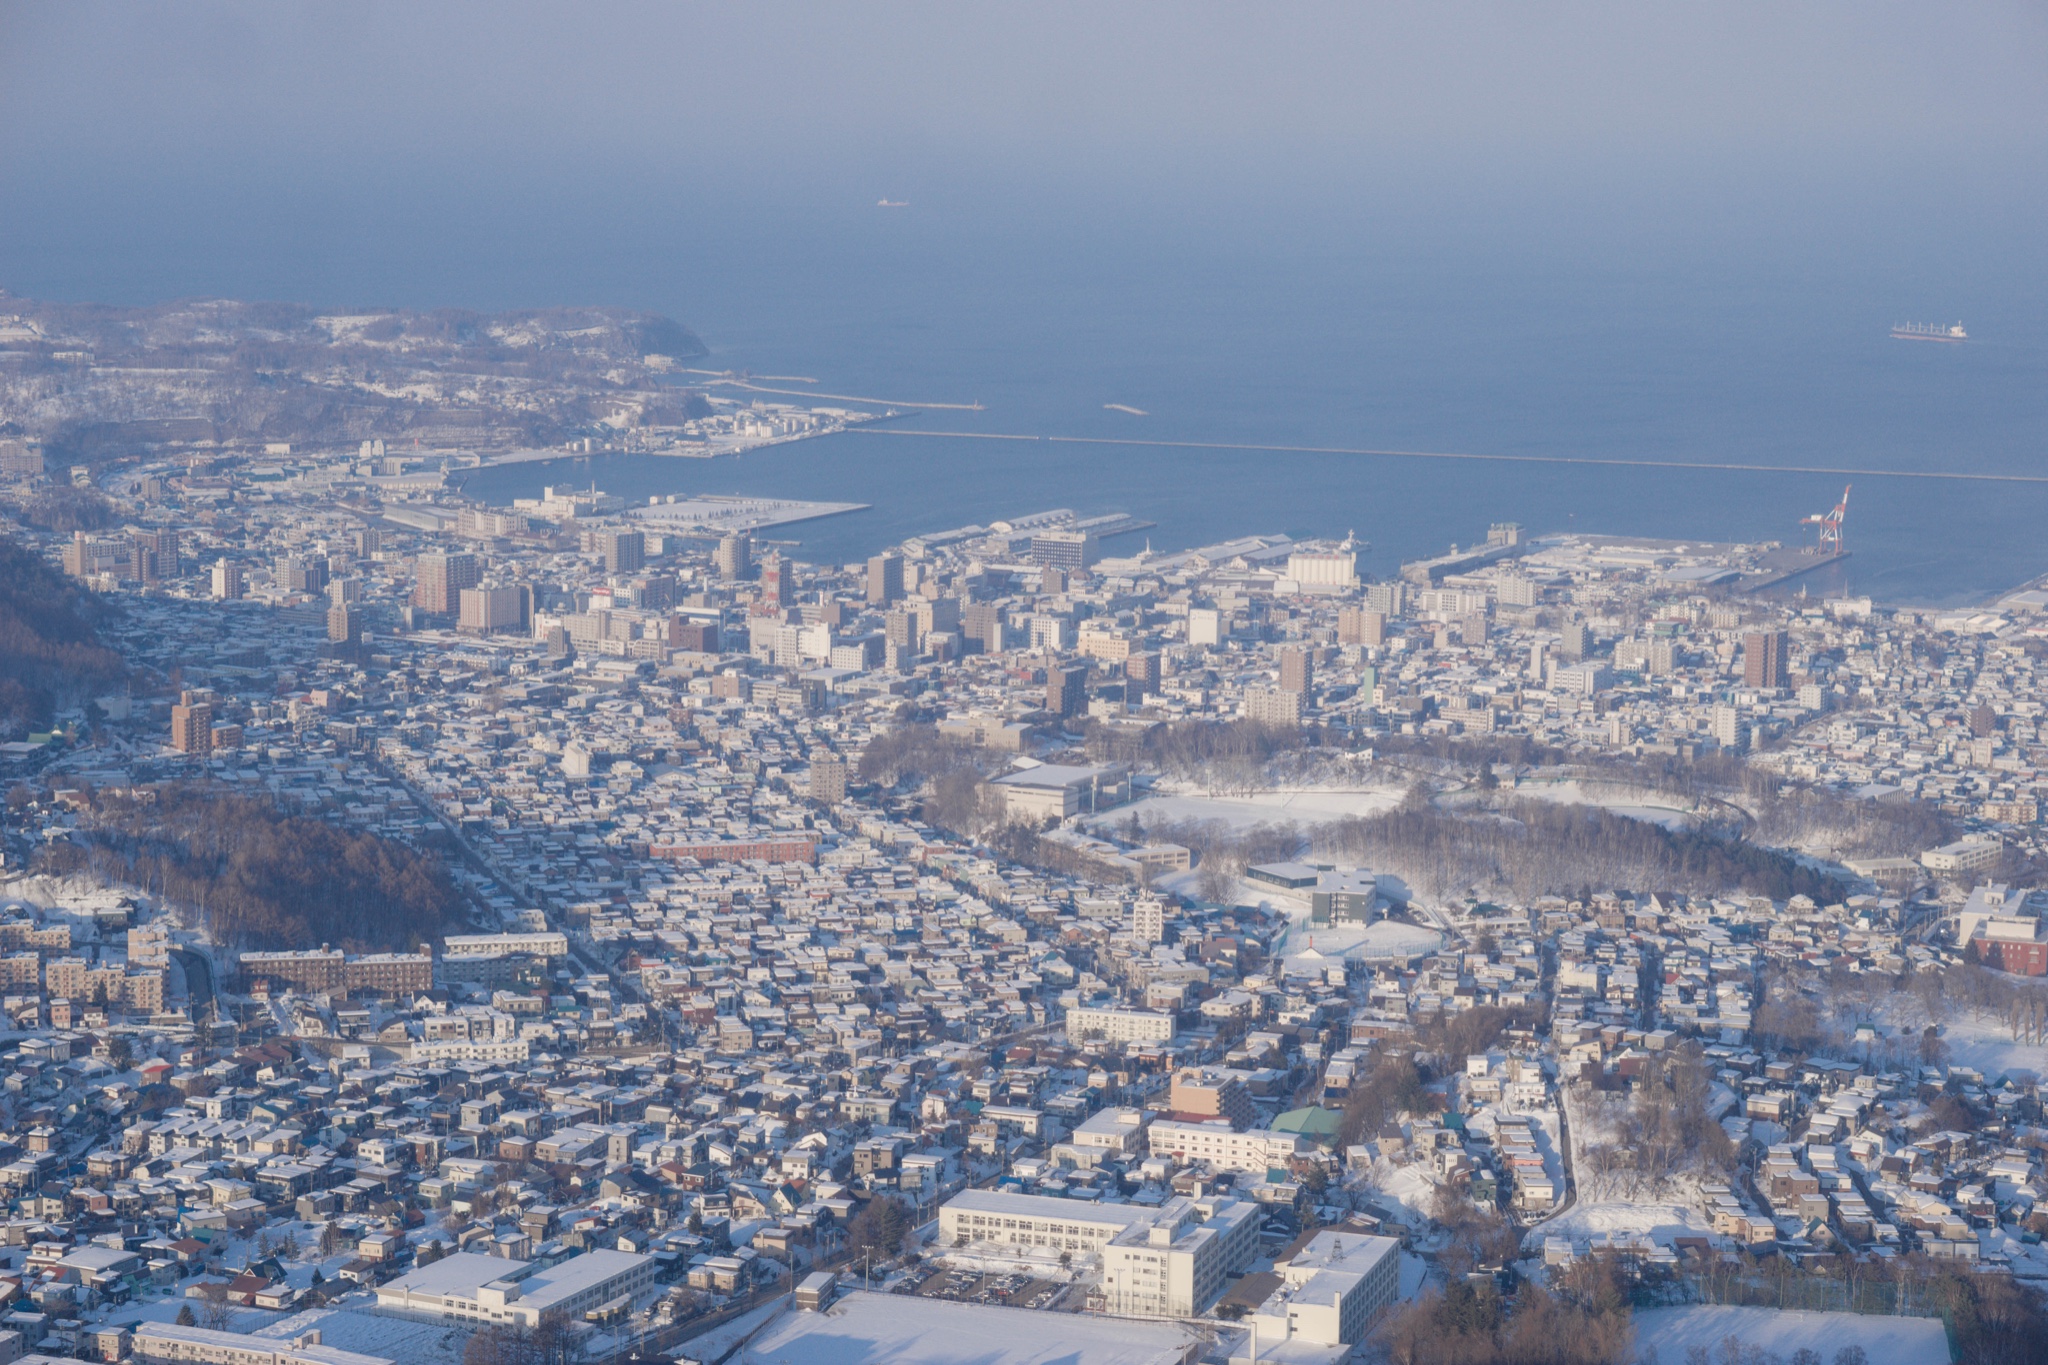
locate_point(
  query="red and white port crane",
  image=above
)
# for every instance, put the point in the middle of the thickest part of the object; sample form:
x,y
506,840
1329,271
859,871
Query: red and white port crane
x,y
1830,524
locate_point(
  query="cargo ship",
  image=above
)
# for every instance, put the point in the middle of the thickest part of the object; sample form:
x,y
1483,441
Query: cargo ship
x,y
1932,331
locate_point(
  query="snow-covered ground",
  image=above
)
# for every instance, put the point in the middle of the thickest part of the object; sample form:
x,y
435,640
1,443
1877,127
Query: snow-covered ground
x,y
1983,1041
1286,805
1671,1332
1611,1205
1640,803
1986,1043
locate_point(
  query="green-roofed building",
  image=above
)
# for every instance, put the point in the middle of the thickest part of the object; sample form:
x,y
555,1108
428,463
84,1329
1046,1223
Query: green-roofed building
x,y
1313,1122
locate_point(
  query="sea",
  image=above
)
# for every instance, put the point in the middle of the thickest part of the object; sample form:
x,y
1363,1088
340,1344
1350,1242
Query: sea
x,y
1649,328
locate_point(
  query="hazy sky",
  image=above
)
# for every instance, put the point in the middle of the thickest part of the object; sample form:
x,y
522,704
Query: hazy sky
x,y
143,130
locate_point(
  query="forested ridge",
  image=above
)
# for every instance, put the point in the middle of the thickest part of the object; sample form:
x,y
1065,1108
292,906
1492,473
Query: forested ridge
x,y
49,644
264,877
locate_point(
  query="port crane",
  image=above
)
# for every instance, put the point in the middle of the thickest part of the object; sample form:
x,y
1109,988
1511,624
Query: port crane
x,y
1830,524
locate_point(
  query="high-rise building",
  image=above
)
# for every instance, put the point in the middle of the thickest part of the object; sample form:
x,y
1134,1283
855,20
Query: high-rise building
x,y
298,573
1141,676
1388,599
1205,626
982,622
484,610
1575,640
441,581
227,581
192,724
345,592
1763,658
885,580
904,629
161,550
344,625
1731,730
1297,670
735,557
1148,919
1073,551
1272,706
1066,689
697,636
624,551
1361,626
368,541
775,587
828,778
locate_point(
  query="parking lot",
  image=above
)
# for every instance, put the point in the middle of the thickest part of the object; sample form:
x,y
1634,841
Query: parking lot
x,y
972,1286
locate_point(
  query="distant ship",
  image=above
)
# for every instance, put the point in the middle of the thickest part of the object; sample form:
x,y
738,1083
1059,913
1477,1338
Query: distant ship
x,y
1914,331
892,203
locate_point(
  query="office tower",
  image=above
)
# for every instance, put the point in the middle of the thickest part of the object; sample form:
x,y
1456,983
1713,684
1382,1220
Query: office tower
x,y
1072,551
1297,670
192,725
1361,626
1763,658
344,626
442,579
828,778
624,551
1141,676
775,588
735,557
227,581
885,580
1066,690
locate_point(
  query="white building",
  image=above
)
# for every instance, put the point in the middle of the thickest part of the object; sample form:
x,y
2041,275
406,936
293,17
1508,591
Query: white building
x,y
1178,1265
1032,1220
467,1287
1330,1290
1970,855
497,945
1324,570
166,1343
1223,1147
1118,1026
1171,1261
